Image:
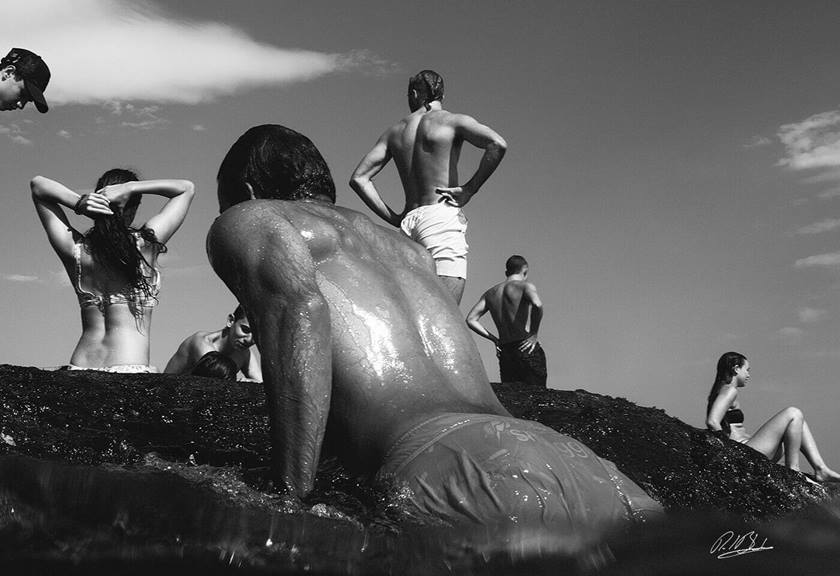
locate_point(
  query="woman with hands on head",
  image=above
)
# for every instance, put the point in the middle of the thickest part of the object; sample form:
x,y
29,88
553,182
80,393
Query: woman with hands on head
x,y
112,266
786,432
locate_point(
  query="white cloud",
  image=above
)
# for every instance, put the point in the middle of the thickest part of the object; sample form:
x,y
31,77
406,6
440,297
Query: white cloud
x,y
757,142
142,117
198,127
790,333
115,50
23,141
15,133
813,142
829,260
819,227
64,134
823,177
830,193
21,278
811,315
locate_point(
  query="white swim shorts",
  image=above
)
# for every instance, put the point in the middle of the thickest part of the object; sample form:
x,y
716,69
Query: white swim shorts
x,y
441,229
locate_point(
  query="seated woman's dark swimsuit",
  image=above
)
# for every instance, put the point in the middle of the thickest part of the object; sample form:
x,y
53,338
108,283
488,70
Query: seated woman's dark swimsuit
x,y
734,416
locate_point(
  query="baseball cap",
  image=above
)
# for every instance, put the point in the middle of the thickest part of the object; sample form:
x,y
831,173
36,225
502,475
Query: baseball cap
x,y
34,72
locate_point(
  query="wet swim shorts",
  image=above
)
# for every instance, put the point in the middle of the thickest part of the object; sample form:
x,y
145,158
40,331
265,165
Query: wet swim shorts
x,y
516,366
118,368
441,229
491,469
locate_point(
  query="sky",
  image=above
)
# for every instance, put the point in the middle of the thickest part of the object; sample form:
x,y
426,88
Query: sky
x,y
672,174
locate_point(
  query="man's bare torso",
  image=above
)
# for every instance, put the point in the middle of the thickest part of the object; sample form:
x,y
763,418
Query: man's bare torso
x,y
401,352
426,149
510,312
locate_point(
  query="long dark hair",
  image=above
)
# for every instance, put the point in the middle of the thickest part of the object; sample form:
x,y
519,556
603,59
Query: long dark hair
x,y
726,366
112,240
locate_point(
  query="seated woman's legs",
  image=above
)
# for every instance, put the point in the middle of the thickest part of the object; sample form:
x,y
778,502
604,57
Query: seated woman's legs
x,y
788,428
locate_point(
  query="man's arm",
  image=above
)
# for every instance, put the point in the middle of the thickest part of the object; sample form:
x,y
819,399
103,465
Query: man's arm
x,y
494,146
252,371
362,181
479,310
533,298
276,285
181,361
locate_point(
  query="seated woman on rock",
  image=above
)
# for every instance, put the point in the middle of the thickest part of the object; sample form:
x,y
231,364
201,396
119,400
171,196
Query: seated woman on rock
x,y
112,266
787,429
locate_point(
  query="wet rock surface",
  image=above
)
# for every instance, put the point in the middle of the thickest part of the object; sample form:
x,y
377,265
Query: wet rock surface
x,y
140,473
96,418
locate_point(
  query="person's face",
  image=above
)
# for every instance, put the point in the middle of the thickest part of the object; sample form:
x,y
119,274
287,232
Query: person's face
x,y
13,95
240,333
742,374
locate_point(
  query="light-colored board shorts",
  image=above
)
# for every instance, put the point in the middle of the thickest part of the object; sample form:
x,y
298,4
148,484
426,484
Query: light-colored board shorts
x,y
442,230
490,469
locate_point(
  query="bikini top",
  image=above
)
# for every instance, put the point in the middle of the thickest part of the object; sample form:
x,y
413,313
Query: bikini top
x,y
134,298
735,416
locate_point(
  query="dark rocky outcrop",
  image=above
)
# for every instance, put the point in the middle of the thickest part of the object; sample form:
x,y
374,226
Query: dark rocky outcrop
x,y
95,418
153,473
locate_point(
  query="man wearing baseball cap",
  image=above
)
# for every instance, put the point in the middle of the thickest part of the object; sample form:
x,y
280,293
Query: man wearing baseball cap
x,y
23,78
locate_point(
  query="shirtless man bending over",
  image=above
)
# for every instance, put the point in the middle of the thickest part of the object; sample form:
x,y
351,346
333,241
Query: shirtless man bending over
x,y
426,146
362,344
516,310
234,341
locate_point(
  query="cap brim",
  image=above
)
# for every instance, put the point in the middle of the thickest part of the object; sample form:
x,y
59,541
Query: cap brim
x,y
37,96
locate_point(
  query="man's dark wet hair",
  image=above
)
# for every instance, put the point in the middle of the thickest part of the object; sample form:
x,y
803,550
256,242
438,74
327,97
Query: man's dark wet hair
x,y
216,365
515,264
239,313
278,163
428,84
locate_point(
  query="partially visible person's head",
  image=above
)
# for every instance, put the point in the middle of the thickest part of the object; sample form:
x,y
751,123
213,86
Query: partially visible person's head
x,y
23,78
113,242
239,331
216,365
121,176
727,365
275,163
516,264
424,87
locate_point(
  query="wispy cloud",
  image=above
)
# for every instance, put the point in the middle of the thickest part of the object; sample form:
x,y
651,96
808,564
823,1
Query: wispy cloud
x,y
64,134
830,193
823,177
813,142
790,334
15,133
826,225
115,50
809,315
829,260
757,142
21,278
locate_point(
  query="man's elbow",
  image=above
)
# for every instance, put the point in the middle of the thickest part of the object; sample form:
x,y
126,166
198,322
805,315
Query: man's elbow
x,y
357,182
498,145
